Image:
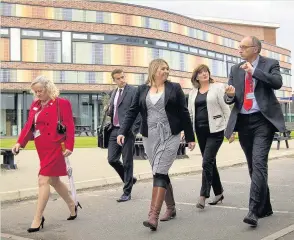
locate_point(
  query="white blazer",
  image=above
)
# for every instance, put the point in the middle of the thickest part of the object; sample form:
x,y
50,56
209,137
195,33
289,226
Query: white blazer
x,y
218,110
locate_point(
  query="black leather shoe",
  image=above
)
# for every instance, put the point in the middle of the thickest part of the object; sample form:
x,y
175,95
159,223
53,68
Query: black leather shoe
x,y
269,213
124,198
251,219
134,180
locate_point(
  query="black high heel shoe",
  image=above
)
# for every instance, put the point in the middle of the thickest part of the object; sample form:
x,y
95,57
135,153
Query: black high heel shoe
x,y
217,200
30,230
76,211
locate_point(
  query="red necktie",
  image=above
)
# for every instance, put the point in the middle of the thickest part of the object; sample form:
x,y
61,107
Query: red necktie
x,y
115,118
247,105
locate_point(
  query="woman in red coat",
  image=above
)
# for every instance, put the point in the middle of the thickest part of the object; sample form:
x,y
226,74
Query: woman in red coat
x,y
52,147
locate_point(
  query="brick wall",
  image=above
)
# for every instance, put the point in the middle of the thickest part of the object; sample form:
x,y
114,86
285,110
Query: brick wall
x,y
270,35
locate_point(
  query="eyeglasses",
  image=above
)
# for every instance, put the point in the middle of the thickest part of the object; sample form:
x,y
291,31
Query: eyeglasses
x,y
243,47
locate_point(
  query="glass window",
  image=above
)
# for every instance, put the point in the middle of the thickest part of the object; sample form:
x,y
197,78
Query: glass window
x,y
202,52
86,110
173,45
220,56
30,33
79,36
52,34
4,31
74,100
184,48
8,126
97,37
211,54
193,50
41,51
230,65
161,44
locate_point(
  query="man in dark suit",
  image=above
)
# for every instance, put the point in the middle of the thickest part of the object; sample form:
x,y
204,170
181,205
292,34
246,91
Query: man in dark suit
x,y
120,101
256,116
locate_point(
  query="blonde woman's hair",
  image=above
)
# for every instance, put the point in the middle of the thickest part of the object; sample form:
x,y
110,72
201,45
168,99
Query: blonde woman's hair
x,y
48,84
195,82
152,69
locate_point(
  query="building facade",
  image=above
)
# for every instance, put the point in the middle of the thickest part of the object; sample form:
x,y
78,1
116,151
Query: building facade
x,y
79,43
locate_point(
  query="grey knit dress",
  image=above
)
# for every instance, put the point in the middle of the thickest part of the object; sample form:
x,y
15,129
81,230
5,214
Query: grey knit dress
x,y
161,146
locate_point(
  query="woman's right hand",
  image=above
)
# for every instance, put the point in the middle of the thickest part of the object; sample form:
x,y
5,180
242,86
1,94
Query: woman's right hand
x,y
120,140
15,149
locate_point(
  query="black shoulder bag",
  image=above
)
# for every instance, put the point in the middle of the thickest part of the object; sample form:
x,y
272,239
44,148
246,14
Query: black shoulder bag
x,y
61,129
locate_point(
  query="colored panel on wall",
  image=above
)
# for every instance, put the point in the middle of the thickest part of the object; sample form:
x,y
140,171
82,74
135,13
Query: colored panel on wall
x,y
4,49
41,51
114,54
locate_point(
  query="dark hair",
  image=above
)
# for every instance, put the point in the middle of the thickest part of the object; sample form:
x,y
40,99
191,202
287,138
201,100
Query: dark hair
x,y
115,71
195,73
256,42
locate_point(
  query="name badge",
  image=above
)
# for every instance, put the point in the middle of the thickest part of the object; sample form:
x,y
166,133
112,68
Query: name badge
x,y
250,96
37,133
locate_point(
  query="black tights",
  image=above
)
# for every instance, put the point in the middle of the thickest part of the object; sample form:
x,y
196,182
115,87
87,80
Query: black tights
x,y
161,180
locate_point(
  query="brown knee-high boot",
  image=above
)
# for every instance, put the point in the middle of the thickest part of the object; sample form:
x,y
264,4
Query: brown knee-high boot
x,y
170,205
158,194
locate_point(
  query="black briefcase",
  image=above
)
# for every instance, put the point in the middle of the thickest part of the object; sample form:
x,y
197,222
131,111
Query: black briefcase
x,y
103,135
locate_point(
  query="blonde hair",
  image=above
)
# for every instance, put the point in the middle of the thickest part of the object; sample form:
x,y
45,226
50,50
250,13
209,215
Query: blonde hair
x,y
195,73
152,69
49,85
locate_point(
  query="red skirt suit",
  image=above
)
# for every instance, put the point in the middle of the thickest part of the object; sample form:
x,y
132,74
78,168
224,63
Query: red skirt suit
x,y
48,141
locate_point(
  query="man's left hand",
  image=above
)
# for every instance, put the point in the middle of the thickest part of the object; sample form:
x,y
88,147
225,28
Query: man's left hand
x,y
247,67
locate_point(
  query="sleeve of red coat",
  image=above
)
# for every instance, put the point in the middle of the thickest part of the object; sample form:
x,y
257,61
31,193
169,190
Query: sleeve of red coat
x,y
26,133
70,127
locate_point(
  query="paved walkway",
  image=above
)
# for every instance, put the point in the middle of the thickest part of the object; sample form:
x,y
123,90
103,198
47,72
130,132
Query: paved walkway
x,y
91,169
102,218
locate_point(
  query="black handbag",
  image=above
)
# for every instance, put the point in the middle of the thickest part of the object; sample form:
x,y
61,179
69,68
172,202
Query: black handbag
x,y
104,133
61,129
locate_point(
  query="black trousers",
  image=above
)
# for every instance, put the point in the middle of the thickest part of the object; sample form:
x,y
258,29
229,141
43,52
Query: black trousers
x,y
256,135
115,151
209,144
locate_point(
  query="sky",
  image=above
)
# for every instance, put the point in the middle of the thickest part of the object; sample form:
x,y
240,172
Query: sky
x,y
274,11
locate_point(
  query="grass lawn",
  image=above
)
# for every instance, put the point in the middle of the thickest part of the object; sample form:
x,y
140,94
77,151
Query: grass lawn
x,y
80,142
